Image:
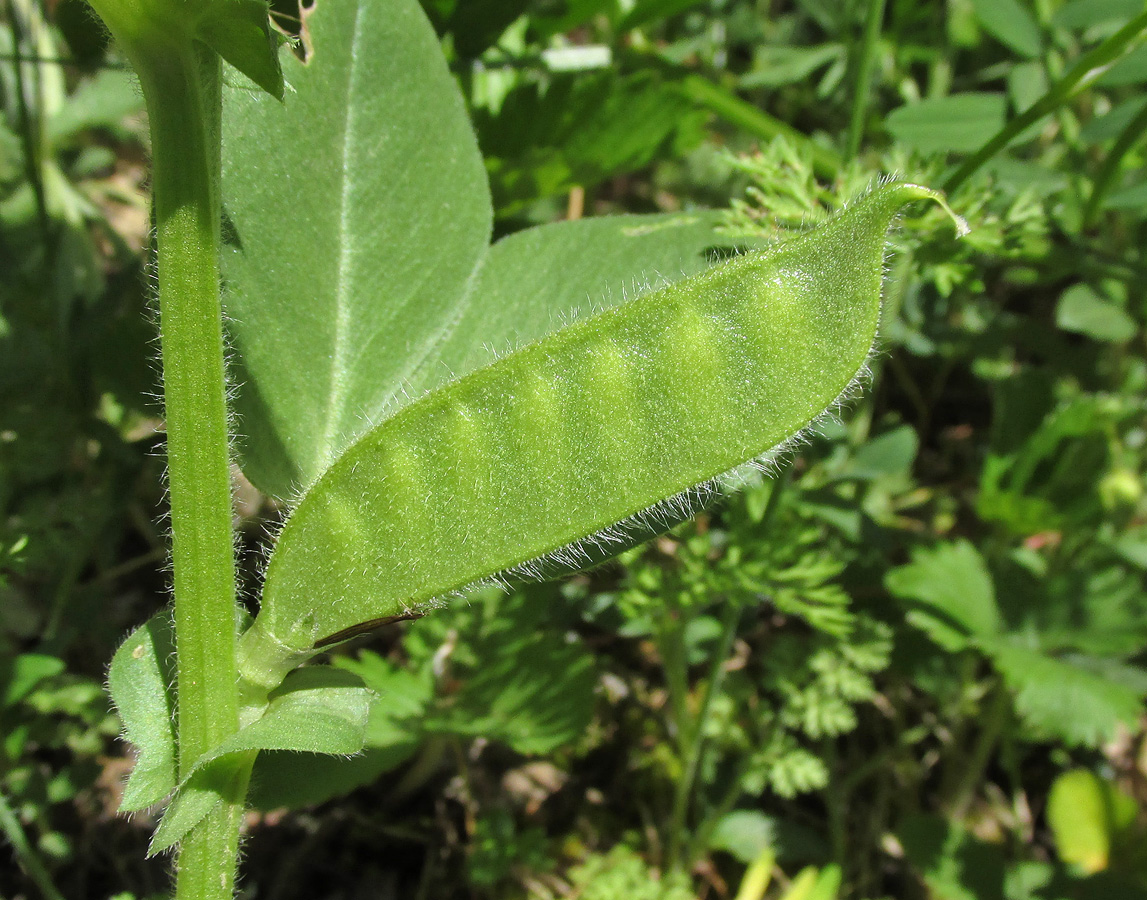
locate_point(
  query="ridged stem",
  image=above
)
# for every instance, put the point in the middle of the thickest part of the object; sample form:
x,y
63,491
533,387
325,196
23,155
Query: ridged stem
x,y
184,101
181,81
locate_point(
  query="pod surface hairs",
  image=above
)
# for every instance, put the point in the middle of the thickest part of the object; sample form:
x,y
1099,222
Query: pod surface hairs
x,y
624,420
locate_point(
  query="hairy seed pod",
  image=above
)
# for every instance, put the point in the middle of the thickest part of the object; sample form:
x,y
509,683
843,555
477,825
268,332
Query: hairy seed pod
x,y
595,425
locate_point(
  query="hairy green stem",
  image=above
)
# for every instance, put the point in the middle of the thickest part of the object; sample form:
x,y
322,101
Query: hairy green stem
x,y
184,124
181,80
873,20
1088,69
184,102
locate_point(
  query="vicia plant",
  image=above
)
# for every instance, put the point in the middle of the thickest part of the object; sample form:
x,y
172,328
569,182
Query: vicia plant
x,y
363,299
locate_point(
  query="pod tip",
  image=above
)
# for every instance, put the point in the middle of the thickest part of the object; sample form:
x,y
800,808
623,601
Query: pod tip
x,y
959,221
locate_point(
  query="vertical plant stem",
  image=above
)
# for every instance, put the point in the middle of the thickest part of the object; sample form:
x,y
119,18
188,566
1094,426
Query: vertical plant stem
x,y
696,747
671,647
183,94
992,724
691,740
873,20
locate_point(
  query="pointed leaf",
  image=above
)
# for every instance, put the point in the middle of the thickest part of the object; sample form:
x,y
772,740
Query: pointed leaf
x,y
195,800
316,710
393,735
358,211
141,680
240,31
593,425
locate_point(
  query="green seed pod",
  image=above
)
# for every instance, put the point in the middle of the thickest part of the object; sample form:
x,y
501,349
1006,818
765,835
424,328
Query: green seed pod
x,y
533,457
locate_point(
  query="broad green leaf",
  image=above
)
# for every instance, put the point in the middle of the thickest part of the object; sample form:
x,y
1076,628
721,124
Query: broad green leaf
x,y
1082,310
534,281
567,437
141,681
956,123
316,710
745,834
1012,22
358,210
1065,700
19,676
951,593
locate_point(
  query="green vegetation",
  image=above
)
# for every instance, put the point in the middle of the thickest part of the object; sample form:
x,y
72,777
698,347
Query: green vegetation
x,y
904,661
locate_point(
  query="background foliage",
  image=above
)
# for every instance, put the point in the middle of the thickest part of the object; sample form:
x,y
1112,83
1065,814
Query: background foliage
x,y
909,665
